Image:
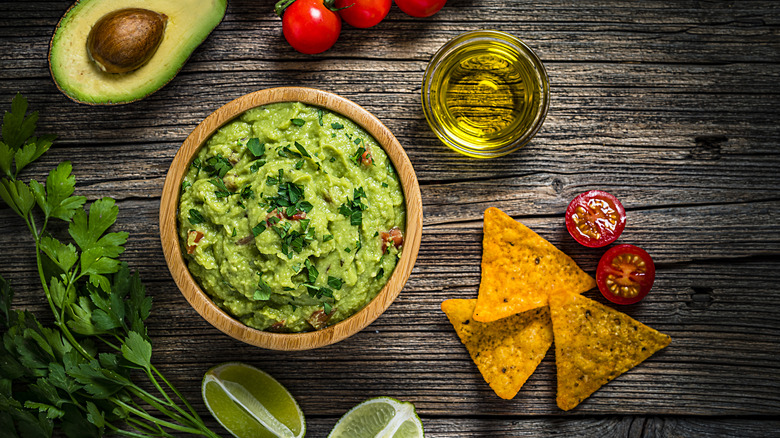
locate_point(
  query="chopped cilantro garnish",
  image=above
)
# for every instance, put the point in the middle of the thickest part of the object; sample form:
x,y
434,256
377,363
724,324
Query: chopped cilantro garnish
x,y
259,228
235,231
335,283
263,291
311,271
333,135
384,184
304,224
196,163
185,185
223,191
299,164
298,122
332,159
319,116
247,192
256,166
217,166
380,273
348,249
195,217
358,245
357,155
255,147
301,150
337,126
327,237
354,209
327,308
376,233
358,140
271,181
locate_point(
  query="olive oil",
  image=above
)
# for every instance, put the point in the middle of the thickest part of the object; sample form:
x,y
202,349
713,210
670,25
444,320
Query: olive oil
x,y
485,96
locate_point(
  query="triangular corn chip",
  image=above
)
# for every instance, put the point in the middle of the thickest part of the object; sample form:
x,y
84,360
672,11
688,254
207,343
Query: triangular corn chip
x,y
594,344
506,351
520,269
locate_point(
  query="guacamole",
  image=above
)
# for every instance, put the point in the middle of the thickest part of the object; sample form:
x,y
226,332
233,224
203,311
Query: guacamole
x,y
291,218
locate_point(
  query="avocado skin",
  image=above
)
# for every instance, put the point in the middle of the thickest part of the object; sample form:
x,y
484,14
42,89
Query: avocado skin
x,y
81,81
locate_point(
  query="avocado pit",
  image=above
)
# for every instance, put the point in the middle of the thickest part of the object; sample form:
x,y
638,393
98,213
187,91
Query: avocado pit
x,y
126,39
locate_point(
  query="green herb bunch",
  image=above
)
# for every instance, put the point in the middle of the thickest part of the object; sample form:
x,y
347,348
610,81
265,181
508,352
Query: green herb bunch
x,y
78,375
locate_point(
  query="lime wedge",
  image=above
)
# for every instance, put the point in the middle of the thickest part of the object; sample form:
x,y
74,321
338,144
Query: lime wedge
x,y
249,403
381,417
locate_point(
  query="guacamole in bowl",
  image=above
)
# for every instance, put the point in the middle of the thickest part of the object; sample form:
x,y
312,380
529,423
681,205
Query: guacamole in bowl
x,y
291,217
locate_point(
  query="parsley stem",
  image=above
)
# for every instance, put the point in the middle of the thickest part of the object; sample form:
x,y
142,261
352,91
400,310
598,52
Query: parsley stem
x,y
178,394
58,320
155,420
160,406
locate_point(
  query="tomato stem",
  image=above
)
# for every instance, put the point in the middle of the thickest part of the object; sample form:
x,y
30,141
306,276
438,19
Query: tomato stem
x,y
281,5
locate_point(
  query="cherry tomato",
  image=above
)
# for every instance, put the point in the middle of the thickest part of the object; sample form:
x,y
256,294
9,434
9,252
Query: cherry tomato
x,y
310,27
625,274
420,8
363,13
595,218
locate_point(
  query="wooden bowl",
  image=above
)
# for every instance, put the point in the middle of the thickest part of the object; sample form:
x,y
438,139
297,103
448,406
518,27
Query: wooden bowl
x,y
204,305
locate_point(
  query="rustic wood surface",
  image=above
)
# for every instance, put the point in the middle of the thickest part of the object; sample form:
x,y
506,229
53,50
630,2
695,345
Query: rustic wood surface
x,y
671,106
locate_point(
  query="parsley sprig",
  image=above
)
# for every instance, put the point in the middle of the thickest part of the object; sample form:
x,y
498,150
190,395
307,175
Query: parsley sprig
x,y
77,376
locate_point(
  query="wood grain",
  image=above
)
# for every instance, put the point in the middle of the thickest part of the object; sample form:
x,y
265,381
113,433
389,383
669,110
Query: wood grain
x,y
671,106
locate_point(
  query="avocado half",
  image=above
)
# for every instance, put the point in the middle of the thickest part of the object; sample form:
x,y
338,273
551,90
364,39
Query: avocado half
x,y
189,22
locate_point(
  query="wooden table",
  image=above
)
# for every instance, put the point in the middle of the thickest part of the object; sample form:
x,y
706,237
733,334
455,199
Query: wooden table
x,y
671,106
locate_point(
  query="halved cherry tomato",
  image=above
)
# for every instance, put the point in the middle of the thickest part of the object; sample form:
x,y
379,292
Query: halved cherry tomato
x,y
595,218
625,274
363,13
310,27
420,8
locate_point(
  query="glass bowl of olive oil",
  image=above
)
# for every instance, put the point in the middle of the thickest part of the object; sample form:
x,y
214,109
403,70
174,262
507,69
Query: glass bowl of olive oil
x,y
485,94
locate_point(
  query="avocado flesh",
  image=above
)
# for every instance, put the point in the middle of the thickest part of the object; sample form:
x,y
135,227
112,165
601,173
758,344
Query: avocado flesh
x,y
189,23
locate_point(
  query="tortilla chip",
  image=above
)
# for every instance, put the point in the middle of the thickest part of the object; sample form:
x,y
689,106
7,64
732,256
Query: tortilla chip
x,y
520,269
594,344
506,351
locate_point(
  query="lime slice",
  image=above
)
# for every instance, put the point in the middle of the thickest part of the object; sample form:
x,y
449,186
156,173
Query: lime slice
x,y
250,403
381,417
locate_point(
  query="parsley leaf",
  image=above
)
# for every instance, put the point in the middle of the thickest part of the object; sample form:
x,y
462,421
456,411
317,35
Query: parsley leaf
x,y
337,126
319,116
353,209
311,271
223,191
327,237
327,308
357,155
301,150
259,228
195,217
217,166
298,122
263,291
335,283
137,350
255,147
